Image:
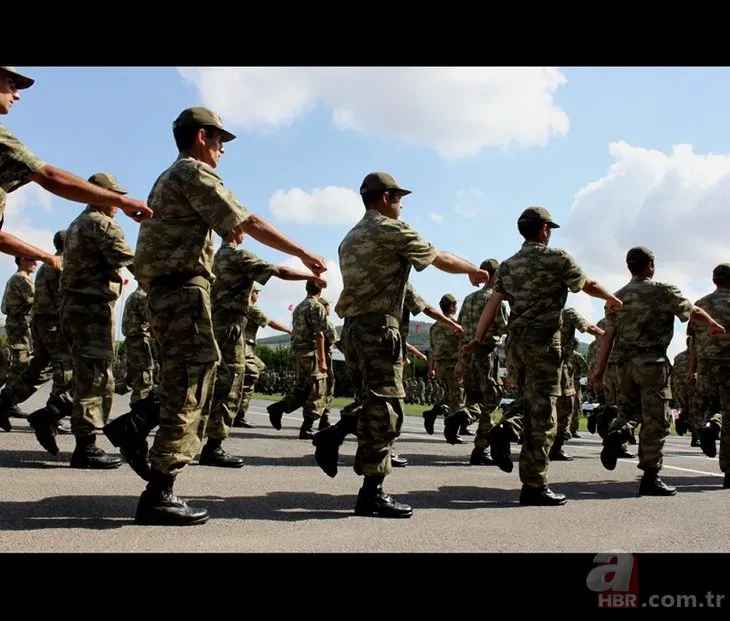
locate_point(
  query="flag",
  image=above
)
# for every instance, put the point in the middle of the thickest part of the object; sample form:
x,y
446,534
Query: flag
x,y
418,327
126,281
290,308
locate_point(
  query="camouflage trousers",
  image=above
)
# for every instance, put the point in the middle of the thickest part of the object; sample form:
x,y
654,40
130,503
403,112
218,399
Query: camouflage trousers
x,y
577,411
374,355
535,359
329,390
51,360
229,336
310,385
180,320
87,324
712,400
565,403
19,338
686,401
140,366
482,392
643,398
253,368
453,386
611,384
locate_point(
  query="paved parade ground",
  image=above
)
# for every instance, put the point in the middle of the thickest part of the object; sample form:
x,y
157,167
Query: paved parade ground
x,y
280,501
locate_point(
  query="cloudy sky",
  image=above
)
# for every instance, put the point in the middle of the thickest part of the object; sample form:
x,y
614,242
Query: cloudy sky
x,y
620,157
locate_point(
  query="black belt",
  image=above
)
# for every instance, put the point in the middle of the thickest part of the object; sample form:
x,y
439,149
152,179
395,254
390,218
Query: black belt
x,y
173,281
376,319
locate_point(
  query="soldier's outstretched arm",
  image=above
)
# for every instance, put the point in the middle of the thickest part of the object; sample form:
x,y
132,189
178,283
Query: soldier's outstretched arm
x,y
596,290
288,273
609,336
9,244
451,264
431,312
412,350
485,322
267,234
279,326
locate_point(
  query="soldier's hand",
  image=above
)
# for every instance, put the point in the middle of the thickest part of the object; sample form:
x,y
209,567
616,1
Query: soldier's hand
x,y
470,347
716,328
457,329
323,367
691,379
315,263
478,277
52,261
613,303
597,379
422,356
135,209
320,282
431,374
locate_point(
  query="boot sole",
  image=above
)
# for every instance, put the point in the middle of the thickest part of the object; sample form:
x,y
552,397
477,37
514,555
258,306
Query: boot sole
x,y
160,521
96,466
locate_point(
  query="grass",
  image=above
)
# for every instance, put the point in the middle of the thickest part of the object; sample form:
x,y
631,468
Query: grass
x,y
417,410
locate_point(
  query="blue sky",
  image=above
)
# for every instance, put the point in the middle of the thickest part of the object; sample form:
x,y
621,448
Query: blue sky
x,y
119,120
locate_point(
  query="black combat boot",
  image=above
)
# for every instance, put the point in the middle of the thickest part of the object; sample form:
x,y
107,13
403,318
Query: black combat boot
x,y
240,420
324,422
708,433
499,442
328,442
306,431
652,485
88,455
465,431
396,461
541,497
681,426
452,425
16,412
129,433
429,418
158,506
5,407
213,454
46,422
726,481
372,501
479,457
556,451
612,448
276,413
695,441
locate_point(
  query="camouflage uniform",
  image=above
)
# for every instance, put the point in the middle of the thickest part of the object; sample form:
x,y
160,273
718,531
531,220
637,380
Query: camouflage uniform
x,y
330,338
683,395
712,392
236,270
310,384
17,165
95,252
376,257
253,366
137,350
174,256
51,358
445,354
644,327
572,320
17,306
482,384
580,370
535,282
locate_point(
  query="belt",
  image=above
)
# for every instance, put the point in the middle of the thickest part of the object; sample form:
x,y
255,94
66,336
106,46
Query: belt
x,y
173,281
376,319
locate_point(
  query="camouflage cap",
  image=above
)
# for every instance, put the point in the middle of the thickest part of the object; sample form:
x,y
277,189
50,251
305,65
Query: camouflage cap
x,y
107,181
490,265
537,214
376,181
21,81
640,255
256,289
447,299
202,117
58,239
721,272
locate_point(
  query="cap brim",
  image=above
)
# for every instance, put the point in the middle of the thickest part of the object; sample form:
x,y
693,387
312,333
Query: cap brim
x,y
553,225
226,136
21,81
403,191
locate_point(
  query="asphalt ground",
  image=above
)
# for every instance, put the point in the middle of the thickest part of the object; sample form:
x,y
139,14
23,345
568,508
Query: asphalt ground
x,y
280,501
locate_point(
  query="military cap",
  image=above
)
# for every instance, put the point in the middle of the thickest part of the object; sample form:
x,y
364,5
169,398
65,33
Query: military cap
x,y
721,272
447,299
107,181
380,181
21,81
490,265
256,289
58,239
537,214
202,117
640,255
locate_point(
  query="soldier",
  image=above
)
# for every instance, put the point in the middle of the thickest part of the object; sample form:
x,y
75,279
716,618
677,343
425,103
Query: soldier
x,y
254,366
175,257
331,340
640,334
376,257
17,306
236,269
580,370
51,358
140,364
683,395
96,250
535,281
709,370
309,324
444,359
482,385
18,167
4,363
572,320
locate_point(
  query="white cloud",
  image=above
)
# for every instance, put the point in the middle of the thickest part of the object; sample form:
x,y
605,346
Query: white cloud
x,y
331,205
436,217
456,111
470,203
276,297
674,203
